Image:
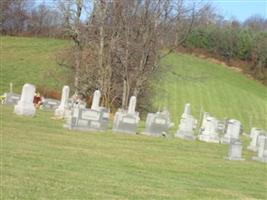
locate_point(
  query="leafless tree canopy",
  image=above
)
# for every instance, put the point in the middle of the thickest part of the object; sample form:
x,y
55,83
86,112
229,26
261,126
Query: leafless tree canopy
x,y
118,43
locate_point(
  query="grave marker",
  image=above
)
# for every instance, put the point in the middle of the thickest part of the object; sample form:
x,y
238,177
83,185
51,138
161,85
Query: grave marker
x,y
25,105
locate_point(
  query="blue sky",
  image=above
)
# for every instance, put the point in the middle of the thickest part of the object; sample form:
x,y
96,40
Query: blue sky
x,y
237,9
240,9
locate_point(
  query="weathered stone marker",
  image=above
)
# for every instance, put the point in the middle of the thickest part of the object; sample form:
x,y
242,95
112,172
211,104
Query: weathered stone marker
x,y
96,100
85,119
157,124
262,149
127,121
235,150
62,108
25,105
11,98
254,135
50,104
209,129
187,125
233,131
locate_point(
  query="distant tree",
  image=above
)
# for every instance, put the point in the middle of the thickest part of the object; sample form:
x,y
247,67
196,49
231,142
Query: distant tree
x,y
256,23
14,15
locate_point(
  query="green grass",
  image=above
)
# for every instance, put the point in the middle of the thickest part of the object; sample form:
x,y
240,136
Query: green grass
x,y
42,160
31,60
212,88
207,86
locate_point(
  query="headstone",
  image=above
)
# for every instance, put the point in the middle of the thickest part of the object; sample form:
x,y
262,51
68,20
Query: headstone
x,y
233,131
64,103
11,98
127,121
25,105
209,129
262,149
235,150
87,119
96,118
50,104
96,100
187,125
254,135
157,124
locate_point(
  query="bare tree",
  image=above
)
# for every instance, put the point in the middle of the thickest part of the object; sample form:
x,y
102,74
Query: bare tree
x,y
118,44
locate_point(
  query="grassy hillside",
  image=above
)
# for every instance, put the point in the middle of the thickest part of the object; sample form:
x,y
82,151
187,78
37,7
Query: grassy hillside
x,y
207,86
41,160
212,88
31,60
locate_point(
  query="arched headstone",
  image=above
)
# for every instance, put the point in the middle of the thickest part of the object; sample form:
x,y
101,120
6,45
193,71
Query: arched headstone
x,y
60,111
96,100
25,105
132,105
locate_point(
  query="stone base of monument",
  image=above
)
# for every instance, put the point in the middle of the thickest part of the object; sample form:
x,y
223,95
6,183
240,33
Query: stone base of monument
x,y
208,138
28,110
125,123
185,135
50,104
156,125
11,98
264,160
87,119
235,150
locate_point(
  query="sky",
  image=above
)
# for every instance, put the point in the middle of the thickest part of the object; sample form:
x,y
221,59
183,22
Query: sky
x,y
230,9
240,9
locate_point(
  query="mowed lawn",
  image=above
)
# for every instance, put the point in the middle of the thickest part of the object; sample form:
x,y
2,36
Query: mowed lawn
x,y
214,88
31,60
42,160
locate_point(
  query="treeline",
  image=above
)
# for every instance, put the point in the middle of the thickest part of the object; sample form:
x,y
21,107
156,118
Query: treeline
x,y
26,18
117,45
233,40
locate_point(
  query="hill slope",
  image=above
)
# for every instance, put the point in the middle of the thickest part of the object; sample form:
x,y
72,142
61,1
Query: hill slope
x,y
210,87
42,160
207,86
31,60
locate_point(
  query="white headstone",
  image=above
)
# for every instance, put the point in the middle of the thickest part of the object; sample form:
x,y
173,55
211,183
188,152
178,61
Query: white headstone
x,y
60,111
187,109
187,125
254,134
96,100
132,105
25,105
262,149
126,121
232,132
209,130
235,150
157,124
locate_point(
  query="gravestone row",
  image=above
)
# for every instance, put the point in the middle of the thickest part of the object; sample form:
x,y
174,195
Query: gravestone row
x,y
78,117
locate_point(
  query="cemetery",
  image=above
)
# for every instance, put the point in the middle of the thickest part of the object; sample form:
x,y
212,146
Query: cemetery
x,y
78,117
203,135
